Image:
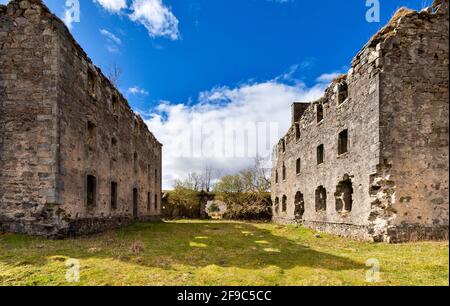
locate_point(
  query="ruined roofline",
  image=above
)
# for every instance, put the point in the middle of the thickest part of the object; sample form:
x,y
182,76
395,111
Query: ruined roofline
x,y
389,30
385,33
60,25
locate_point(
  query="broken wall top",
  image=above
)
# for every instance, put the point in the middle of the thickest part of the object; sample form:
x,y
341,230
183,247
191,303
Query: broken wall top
x,y
372,51
18,9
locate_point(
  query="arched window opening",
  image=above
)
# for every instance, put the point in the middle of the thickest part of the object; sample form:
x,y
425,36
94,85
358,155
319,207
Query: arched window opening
x,y
321,199
344,196
299,206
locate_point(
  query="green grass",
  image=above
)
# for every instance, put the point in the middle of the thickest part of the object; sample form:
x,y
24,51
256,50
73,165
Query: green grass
x,y
218,253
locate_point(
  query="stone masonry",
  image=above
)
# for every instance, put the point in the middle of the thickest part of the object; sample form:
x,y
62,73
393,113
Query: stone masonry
x,y
74,158
370,160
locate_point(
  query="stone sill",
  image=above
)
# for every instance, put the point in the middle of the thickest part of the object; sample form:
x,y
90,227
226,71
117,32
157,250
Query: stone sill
x,y
343,155
345,102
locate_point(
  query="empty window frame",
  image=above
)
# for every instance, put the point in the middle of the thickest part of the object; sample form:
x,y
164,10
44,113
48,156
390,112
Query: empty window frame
x,y
299,206
319,111
343,142
91,135
114,195
321,199
284,204
135,203
297,131
114,149
320,154
114,103
91,82
298,165
344,196
91,191
342,92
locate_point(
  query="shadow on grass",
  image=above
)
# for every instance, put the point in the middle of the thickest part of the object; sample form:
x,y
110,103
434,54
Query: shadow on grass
x,y
163,245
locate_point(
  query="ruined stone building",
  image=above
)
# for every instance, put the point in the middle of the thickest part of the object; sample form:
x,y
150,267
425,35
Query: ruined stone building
x,y
74,158
370,160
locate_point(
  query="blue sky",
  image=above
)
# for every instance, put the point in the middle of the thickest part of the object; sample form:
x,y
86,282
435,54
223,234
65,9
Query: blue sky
x,y
226,42
181,59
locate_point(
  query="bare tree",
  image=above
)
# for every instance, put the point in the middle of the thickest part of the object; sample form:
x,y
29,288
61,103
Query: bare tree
x,y
114,73
207,178
262,175
195,181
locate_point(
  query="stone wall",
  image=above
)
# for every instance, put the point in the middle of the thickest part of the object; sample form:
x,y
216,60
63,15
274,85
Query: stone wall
x,y
394,104
28,121
78,131
414,123
359,115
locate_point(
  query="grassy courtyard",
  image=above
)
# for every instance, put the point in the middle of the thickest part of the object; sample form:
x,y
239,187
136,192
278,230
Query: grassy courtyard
x,y
218,253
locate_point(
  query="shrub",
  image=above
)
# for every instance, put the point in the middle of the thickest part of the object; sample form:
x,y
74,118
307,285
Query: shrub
x,y
247,206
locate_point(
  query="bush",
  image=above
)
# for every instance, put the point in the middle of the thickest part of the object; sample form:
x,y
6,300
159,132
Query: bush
x,y
247,194
185,203
247,206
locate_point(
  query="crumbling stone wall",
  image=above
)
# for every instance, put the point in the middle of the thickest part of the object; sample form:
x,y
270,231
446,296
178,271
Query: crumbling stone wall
x,y
393,108
28,121
414,130
68,135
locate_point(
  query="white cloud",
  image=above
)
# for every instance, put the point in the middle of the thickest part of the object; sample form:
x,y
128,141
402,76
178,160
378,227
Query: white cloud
x,y
113,42
328,77
197,135
112,49
136,90
113,6
111,37
156,17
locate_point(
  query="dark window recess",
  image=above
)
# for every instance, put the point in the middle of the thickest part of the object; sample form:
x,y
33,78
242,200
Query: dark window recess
x,y
156,201
149,204
284,171
321,199
284,203
298,165
91,140
299,206
283,145
276,176
319,113
342,92
91,82
91,191
277,205
344,196
343,142
297,131
113,195
320,154
115,103
135,203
